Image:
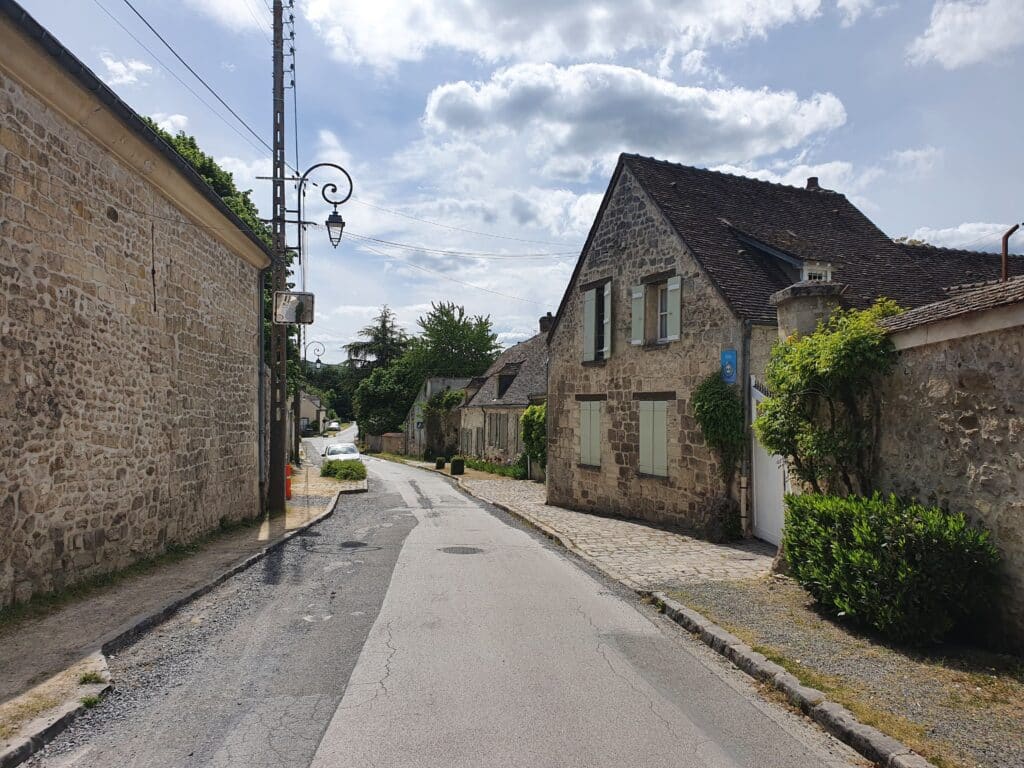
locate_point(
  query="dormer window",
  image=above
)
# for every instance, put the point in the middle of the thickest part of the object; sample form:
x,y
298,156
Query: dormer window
x,y
816,272
504,382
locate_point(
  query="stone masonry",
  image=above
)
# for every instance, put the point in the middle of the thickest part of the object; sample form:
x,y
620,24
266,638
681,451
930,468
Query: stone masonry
x,y
633,241
954,436
128,361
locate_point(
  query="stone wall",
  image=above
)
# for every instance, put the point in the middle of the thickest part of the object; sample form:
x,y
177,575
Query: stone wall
x,y
633,240
128,373
954,436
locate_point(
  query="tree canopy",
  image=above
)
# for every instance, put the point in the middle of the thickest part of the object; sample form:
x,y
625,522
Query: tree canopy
x,y
382,342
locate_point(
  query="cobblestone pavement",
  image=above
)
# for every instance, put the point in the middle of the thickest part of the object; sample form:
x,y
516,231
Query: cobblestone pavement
x,y
636,554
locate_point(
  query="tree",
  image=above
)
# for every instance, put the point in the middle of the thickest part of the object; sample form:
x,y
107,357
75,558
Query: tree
x,y
382,400
824,412
452,343
383,342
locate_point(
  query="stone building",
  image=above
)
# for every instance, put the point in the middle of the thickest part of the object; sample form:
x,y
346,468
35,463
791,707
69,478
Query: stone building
x,y
675,283
490,416
427,433
129,330
954,429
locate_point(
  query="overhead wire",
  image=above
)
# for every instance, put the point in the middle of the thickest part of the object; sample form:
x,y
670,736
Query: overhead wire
x,y
453,252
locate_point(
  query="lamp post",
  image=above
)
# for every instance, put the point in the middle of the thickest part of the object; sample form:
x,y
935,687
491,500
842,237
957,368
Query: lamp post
x,y
318,350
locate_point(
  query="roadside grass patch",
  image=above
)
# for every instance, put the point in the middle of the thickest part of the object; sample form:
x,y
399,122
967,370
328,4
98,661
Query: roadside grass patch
x,y
90,701
90,677
15,713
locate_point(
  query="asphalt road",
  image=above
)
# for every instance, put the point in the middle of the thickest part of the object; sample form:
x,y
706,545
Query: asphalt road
x,y
419,627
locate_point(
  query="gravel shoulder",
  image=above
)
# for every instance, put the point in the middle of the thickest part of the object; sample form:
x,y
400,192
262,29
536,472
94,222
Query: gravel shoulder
x,y
960,708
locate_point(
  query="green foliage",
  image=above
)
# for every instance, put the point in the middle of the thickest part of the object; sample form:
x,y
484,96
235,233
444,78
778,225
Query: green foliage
x,y
382,400
458,465
910,572
442,403
516,471
719,412
824,412
382,342
534,426
439,462
350,469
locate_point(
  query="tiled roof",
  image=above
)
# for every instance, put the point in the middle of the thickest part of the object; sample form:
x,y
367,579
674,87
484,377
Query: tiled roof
x,y
718,214
987,297
955,267
527,361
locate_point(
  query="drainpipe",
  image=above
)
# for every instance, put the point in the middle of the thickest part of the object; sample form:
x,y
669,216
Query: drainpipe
x,y
747,418
1005,275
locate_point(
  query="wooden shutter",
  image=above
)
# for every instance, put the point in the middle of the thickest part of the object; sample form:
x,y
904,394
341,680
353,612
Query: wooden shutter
x,y
637,332
584,431
659,438
607,320
595,433
675,293
646,464
589,328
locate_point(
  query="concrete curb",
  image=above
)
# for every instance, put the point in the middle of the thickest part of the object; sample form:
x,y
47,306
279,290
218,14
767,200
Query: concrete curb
x,y
44,729
834,718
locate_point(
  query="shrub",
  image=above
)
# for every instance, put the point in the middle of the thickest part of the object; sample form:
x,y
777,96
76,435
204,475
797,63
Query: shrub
x,y
344,470
533,423
458,465
516,471
439,462
719,412
910,572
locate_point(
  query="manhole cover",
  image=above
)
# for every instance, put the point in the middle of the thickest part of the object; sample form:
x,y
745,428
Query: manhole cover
x,y
461,550
352,544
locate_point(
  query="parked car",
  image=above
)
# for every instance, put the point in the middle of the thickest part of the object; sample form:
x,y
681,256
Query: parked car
x,y
341,452
333,425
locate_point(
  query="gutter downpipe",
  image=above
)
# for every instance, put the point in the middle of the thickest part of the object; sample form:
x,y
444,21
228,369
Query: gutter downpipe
x,y
747,419
1005,272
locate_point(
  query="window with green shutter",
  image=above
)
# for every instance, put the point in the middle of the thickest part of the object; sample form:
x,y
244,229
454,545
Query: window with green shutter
x,y
636,336
589,324
597,323
653,448
590,432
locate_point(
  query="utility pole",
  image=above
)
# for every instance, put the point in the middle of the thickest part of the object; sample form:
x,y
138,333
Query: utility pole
x,y
278,333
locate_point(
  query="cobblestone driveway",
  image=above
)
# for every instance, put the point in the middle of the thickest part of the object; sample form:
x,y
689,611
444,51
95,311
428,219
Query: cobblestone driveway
x,y
642,557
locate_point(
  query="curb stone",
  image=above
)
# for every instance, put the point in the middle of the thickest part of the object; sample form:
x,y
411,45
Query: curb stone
x,y
834,718
44,729
884,750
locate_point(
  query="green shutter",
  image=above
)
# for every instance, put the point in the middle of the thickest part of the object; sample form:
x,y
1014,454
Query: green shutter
x,y
595,434
584,431
607,320
646,415
589,329
659,438
637,334
675,293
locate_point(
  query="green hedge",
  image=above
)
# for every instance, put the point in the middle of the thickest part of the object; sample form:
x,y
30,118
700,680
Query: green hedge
x,y
516,471
912,573
351,469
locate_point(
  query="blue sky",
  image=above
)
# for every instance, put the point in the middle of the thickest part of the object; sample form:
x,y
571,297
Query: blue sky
x,y
505,118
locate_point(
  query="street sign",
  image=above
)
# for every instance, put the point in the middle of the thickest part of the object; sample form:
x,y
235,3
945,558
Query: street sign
x,y
293,308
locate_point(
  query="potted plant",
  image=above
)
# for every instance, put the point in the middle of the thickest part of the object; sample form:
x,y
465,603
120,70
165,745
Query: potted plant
x,y
458,466
439,462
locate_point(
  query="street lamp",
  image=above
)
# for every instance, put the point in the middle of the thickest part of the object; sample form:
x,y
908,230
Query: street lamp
x,y
318,349
335,224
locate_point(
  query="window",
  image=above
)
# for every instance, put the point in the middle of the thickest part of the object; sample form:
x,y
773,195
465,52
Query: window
x,y
653,437
816,271
504,382
656,307
590,432
597,323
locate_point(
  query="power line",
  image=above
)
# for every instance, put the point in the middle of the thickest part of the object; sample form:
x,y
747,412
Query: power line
x,y
451,226
174,74
471,254
197,75
262,24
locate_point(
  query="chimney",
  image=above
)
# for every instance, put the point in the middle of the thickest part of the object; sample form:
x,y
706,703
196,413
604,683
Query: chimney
x,y
546,322
812,184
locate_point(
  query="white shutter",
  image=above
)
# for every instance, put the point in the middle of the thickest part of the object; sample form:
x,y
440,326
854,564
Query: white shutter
x,y
607,320
589,329
646,417
675,294
595,434
637,334
659,438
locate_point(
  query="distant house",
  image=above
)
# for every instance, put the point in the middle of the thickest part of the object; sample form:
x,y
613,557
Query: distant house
x,y
425,434
490,415
687,272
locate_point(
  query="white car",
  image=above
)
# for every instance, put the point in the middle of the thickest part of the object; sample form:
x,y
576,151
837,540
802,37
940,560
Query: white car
x,y
341,452
334,425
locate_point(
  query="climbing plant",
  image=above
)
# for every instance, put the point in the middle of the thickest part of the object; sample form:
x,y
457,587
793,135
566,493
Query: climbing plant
x,y
824,411
533,423
719,412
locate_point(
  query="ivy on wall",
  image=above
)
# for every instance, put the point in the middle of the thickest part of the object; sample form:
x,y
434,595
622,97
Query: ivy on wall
x,y
718,409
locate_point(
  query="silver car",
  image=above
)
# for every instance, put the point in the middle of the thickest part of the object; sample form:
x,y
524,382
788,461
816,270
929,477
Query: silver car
x,y
341,452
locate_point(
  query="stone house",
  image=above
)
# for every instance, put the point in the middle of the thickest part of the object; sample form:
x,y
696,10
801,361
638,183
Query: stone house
x,y
490,416
674,283
129,328
426,433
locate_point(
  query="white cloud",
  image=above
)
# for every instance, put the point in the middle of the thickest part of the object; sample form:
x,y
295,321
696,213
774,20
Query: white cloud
x,y
171,123
123,71
851,10
917,162
973,235
236,15
572,121
387,32
964,32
